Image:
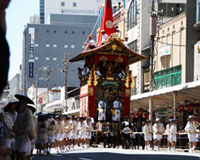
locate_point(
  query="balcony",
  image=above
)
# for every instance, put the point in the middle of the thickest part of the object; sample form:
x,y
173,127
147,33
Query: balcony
x,y
167,78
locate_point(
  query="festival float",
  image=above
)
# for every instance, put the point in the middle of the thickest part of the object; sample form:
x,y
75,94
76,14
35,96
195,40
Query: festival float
x,y
107,76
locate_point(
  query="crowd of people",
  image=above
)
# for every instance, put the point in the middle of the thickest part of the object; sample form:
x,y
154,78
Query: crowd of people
x,y
22,130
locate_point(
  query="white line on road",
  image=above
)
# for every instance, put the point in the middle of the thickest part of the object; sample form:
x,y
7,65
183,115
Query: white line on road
x,y
84,159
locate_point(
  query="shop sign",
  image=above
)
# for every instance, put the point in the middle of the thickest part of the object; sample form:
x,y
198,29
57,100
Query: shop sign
x,y
84,106
164,51
84,91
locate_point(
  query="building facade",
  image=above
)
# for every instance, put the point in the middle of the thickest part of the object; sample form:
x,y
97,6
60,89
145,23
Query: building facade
x,y
14,86
197,44
175,67
45,47
75,7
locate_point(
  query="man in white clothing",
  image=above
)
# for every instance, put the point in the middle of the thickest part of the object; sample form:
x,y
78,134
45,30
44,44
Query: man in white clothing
x,y
172,134
104,37
82,127
190,128
116,114
158,130
147,129
91,44
9,120
102,110
24,127
167,132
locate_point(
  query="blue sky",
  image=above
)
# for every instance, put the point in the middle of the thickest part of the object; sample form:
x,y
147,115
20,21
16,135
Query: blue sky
x,y
17,16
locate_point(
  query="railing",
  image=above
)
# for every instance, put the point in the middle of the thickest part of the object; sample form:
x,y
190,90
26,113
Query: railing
x,y
167,78
182,140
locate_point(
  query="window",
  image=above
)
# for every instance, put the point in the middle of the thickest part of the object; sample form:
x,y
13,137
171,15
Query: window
x,y
47,31
54,31
62,4
72,46
36,58
54,58
134,89
36,45
55,46
72,32
197,11
170,9
83,32
65,32
65,46
132,15
47,45
47,58
74,4
168,77
133,45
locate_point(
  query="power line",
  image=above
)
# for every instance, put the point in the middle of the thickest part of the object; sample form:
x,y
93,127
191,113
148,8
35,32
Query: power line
x,y
144,2
177,45
169,35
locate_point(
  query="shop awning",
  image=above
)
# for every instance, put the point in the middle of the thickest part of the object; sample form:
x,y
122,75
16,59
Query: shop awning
x,y
188,92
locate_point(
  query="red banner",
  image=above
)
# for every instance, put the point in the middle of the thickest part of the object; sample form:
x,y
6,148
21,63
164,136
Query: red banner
x,y
107,21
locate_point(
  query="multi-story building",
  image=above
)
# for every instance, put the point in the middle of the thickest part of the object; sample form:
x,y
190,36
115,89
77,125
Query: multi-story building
x,y
45,47
197,44
14,86
75,7
138,31
4,98
174,68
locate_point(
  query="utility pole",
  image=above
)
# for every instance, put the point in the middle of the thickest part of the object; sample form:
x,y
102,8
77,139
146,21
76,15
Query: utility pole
x,y
48,82
152,35
36,92
65,79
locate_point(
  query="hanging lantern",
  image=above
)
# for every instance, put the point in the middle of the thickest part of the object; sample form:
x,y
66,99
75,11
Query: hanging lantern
x,y
181,108
190,108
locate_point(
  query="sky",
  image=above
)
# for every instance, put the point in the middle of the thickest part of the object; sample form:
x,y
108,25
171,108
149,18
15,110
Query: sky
x,y
17,17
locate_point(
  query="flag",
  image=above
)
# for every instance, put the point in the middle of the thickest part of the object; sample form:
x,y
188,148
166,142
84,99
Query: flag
x,y
107,21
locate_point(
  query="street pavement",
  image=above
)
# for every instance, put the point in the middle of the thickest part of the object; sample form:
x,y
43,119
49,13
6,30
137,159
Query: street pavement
x,y
118,154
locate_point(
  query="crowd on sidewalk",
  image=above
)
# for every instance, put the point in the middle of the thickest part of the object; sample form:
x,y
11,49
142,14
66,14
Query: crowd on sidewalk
x,y
22,130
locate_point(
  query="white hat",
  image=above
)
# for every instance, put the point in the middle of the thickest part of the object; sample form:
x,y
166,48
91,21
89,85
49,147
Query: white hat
x,y
157,119
191,116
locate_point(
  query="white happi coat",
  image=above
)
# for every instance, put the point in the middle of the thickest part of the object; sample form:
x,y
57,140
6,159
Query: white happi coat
x,y
117,105
167,131
9,122
158,127
24,124
82,129
190,128
102,110
172,133
173,130
147,129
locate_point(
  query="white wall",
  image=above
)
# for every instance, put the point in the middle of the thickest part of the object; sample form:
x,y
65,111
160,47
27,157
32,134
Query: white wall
x,y
197,61
83,7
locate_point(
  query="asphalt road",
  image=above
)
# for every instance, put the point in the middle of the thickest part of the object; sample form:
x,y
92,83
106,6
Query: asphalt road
x,y
116,156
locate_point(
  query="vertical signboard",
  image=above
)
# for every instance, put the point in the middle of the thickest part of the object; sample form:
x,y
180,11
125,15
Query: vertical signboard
x,y
31,69
84,100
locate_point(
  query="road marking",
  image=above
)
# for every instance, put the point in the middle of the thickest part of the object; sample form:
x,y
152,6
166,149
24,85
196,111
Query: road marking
x,y
84,159
57,155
